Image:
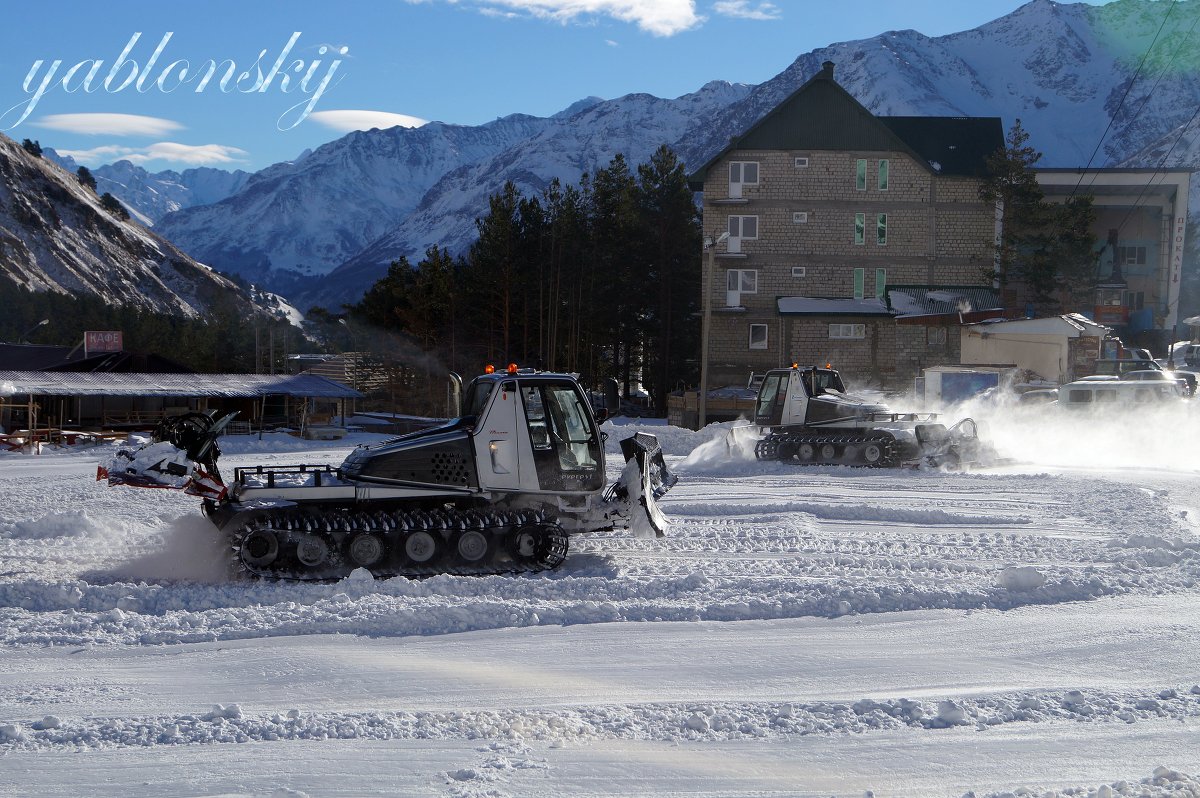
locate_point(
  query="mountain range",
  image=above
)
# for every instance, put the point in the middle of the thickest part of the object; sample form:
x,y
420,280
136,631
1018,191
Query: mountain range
x,y
324,227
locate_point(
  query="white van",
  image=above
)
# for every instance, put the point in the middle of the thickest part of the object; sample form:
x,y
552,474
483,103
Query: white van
x,y
1097,393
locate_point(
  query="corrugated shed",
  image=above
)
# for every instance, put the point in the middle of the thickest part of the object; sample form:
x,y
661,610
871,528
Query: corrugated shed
x,y
51,383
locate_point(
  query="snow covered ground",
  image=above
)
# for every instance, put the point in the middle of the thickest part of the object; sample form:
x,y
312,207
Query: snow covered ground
x,y
824,631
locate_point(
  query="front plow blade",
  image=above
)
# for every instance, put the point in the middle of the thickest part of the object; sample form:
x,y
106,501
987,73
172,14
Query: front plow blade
x,y
646,479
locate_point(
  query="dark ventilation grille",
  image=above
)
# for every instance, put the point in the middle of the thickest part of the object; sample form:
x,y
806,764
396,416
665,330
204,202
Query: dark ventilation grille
x,y
449,468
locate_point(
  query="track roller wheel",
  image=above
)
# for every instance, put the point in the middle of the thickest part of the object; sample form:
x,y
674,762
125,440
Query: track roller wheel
x,y
312,551
872,452
525,544
365,549
828,452
259,548
422,546
472,546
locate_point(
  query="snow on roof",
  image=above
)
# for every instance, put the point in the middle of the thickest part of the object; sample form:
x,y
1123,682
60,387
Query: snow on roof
x,y
62,383
927,300
824,306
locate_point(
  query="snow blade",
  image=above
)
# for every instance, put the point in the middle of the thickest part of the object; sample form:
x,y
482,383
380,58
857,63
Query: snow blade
x,y
645,479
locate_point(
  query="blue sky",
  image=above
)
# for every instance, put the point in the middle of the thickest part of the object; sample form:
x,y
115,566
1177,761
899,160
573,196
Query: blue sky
x,y
460,61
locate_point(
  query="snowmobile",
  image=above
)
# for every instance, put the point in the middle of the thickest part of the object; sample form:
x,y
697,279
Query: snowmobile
x,y
499,489
808,418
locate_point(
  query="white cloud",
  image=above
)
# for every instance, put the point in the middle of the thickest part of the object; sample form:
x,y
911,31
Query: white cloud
x,y
659,17
612,43
189,154
741,9
348,120
109,124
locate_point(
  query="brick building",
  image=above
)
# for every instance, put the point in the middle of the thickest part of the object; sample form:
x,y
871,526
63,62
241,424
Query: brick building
x,y
834,235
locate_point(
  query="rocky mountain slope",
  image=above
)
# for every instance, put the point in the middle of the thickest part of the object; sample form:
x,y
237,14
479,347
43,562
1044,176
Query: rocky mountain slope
x,y
151,195
305,218
56,236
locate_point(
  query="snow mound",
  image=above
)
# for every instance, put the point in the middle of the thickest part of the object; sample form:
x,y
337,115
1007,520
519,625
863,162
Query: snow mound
x,y
1021,578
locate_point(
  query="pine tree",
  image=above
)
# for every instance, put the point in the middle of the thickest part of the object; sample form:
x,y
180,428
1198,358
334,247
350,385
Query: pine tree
x,y
34,148
86,177
1044,247
113,205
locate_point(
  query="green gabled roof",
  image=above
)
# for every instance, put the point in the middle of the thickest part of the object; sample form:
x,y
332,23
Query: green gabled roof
x,y
821,115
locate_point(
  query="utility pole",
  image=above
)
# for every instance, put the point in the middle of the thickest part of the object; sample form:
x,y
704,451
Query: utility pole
x,y
706,324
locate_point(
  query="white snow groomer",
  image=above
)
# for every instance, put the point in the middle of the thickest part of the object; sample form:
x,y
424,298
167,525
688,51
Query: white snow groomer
x,y
808,418
499,489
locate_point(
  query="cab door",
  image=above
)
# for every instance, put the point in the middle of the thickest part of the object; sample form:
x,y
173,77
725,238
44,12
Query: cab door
x,y
498,439
563,437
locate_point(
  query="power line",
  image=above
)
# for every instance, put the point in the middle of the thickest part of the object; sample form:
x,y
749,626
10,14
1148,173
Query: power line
x,y
1113,117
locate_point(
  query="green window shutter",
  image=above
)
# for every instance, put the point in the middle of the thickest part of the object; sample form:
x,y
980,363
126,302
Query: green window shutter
x,y
881,230
859,279
880,283
860,228
883,175
860,174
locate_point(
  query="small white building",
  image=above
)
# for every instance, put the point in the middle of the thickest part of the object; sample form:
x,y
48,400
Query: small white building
x,y
1057,348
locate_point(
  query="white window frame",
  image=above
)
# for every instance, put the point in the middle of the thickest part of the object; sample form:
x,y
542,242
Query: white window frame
x,y
860,174
744,281
801,161
737,228
763,343
799,217
847,332
799,272
737,177
738,282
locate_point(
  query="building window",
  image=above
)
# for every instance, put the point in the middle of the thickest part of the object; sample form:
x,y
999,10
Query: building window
x,y
860,174
742,173
860,228
1135,300
1131,256
743,227
859,280
758,336
883,174
880,283
799,272
800,217
738,282
935,336
881,229
801,161
848,331
744,281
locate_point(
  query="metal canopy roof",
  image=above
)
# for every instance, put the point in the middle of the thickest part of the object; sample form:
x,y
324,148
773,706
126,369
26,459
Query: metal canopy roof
x,y
62,383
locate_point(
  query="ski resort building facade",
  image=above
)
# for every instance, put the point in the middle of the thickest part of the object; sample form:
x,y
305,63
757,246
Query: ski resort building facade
x,y
836,236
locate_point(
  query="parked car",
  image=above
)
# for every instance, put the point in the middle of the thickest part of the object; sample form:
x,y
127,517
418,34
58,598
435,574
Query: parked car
x,y
1117,394
1118,367
1178,379
1038,396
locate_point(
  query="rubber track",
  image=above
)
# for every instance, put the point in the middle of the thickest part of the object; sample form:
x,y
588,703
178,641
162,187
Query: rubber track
x,y
336,526
770,448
